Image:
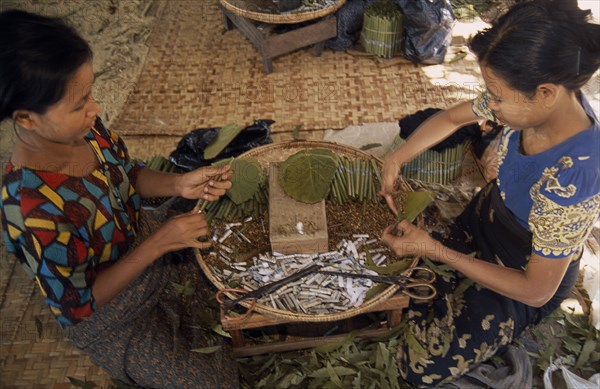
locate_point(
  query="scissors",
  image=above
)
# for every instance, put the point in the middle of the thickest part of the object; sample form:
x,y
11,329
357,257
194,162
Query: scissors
x,y
416,282
263,290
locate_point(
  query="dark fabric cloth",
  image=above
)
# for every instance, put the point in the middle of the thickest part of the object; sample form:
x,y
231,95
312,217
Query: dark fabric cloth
x,y
467,324
515,372
410,123
349,24
138,337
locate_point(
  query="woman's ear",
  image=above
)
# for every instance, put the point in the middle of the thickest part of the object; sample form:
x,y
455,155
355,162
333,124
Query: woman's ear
x,y
548,94
25,119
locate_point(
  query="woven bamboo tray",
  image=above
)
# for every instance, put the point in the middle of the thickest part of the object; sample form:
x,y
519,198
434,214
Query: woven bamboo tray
x,y
279,18
279,152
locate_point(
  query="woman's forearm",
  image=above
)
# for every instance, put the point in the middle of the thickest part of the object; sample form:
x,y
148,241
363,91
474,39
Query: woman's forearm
x,y
112,280
152,183
533,286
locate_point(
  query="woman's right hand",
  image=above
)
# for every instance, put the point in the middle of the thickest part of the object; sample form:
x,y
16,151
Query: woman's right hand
x,y
390,173
179,232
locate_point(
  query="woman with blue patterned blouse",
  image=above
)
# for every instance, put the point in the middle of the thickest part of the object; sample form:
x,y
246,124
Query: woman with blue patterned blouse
x,y
70,209
516,247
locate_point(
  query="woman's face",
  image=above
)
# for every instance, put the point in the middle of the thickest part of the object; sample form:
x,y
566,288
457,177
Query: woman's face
x,y
73,115
509,105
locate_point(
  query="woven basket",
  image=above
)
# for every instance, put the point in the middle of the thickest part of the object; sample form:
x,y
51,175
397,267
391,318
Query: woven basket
x,y
279,152
277,18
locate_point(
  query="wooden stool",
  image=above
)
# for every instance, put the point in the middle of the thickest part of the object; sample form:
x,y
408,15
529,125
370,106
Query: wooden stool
x,y
392,306
271,45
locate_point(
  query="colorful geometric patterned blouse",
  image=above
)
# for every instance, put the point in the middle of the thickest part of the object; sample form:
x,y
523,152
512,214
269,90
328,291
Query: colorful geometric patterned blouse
x,y
563,184
65,229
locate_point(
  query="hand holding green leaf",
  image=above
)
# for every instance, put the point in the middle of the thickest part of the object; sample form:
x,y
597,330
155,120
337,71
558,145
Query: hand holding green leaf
x,y
246,180
414,204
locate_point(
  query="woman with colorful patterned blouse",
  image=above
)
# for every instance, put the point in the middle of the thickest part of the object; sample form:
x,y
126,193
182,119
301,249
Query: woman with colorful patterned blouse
x,y
70,213
515,249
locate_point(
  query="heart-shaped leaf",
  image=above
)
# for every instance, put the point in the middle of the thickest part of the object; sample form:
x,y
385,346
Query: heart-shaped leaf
x,y
306,176
246,180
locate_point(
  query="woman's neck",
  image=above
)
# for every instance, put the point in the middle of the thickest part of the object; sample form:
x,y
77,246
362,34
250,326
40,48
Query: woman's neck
x,y
567,120
36,152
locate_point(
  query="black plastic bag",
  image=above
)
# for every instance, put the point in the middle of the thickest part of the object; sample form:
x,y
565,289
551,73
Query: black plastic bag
x,y
189,154
410,123
427,29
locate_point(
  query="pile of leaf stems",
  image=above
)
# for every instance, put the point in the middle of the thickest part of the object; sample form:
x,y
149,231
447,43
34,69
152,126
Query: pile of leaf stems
x,y
437,167
354,180
161,164
225,209
382,29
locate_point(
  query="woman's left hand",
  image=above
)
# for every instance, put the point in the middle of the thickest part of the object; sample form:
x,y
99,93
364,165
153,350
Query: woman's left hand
x,y
405,239
208,183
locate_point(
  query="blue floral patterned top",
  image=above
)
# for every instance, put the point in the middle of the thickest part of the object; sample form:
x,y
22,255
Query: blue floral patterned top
x,y
554,194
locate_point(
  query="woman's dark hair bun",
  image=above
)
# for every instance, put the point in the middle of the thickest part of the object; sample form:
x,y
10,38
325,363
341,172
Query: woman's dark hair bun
x,y
541,41
38,56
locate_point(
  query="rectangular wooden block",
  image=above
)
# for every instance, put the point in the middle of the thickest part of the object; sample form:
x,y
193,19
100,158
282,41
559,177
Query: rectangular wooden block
x,y
284,215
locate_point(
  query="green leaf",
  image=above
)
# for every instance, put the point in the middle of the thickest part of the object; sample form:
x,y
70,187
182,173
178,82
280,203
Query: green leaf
x,y
380,358
391,269
81,384
414,204
225,135
296,131
289,379
439,270
415,345
370,146
333,376
571,344
207,350
375,290
462,287
186,289
219,330
307,175
329,347
246,180
586,350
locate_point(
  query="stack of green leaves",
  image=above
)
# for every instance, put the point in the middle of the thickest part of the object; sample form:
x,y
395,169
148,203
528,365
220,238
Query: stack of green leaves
x,y
382,29
307,175
437,167
346,364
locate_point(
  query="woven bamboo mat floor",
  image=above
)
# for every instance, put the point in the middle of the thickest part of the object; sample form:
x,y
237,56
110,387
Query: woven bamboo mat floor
x,y
197,75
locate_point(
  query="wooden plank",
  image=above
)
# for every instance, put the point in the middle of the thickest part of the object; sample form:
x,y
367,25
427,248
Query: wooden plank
x,y
284,214
257,320
301,37
302,343
248,29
